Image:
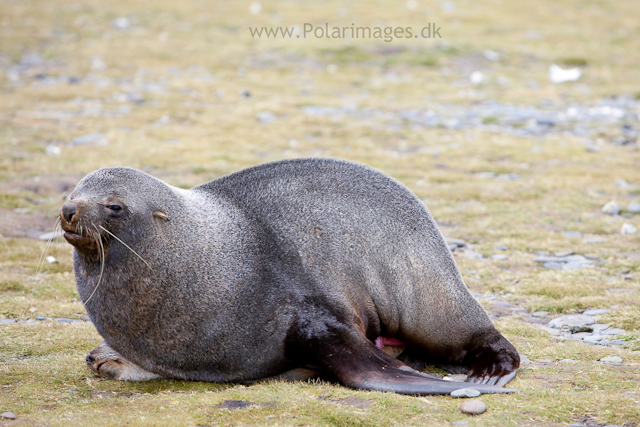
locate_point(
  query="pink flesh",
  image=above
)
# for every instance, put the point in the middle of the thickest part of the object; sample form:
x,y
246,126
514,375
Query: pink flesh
x,y
380,342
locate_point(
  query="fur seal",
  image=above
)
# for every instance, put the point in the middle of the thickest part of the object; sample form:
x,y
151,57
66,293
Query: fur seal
x,y
281,267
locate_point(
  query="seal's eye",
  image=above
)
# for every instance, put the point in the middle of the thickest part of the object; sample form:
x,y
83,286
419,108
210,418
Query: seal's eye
x,y
115,208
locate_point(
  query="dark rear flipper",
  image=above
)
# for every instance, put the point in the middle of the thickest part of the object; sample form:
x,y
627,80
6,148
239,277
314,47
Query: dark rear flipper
x,y
361,365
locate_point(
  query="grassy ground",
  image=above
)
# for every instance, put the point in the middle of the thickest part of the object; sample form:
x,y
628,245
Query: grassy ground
x,y
194,62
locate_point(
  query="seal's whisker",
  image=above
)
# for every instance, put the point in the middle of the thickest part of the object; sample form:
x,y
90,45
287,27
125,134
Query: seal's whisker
x,y
98,240
128,247
43,256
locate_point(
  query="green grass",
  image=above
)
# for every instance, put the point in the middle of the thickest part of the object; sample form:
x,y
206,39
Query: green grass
x,y
202,55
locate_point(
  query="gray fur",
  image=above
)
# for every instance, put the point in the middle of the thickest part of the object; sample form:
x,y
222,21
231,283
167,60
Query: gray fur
x,y
244,268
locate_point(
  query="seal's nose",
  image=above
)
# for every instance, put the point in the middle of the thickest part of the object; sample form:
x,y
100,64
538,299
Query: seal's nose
x,y
68,211
89,359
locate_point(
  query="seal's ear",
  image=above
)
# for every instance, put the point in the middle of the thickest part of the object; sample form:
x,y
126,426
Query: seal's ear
x,y
161,215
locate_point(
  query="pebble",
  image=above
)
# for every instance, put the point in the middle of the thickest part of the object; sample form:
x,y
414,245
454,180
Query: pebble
x,y
633,207
611,359
473,407
458,242
612,331
63,320
611,208
564,253
540,314
7,321
572,320
41,318
266,117
575,234
96,139
52,150
608,343
465,392
596,311
594,239
564,262
8,415
592,339
499,257
628,229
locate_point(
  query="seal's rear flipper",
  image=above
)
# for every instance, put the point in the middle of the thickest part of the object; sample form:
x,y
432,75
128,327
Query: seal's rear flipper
x,y
366,367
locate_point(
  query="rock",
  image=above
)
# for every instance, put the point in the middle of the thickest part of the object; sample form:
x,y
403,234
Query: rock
x,y
8,415
597,327
567,362
572,320
96,139
564,253
592,339
7,321
465,392
63,320
560,75
578,336
540,314
122,23
611,359
476,77
41,318
565,262
473,407
52,150
491,55
596,311
608,343
51,260
612,331
508,176
611,208
594,239
633,207
575,234
628,229
499,257
552,265
457,242
501,248
524,359
266,117
622,183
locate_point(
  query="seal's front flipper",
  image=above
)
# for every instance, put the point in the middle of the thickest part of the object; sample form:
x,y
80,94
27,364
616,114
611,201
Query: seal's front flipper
x,y
108,363
365,367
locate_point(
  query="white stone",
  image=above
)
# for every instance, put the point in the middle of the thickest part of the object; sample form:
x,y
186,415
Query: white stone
x,y
611,208
612,359
465,392
628,229
572,320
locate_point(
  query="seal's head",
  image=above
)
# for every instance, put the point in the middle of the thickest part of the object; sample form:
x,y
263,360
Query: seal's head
x,y
107,201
